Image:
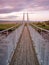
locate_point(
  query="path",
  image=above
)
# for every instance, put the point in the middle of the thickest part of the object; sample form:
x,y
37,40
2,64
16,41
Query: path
x,y
25,54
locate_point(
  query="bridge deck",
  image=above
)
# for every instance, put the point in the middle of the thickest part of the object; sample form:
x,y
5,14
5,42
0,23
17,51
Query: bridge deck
x,y
25,54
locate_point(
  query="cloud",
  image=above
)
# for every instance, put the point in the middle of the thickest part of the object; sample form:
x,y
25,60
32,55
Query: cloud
x,y
16,4
7,6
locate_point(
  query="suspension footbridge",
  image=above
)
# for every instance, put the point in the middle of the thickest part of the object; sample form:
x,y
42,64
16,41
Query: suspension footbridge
x,y
24,46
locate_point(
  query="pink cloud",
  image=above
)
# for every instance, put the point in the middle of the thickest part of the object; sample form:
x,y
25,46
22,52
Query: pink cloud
x,y
17,5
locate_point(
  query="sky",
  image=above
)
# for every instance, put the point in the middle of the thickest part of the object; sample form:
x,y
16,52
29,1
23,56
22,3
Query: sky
x,y
13,8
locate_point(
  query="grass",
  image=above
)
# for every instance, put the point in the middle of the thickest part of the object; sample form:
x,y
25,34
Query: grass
x,y
6,26
41,25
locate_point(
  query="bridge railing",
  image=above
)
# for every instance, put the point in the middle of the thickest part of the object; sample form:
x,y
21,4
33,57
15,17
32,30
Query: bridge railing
x,y
8,45
6,32
43,32
41,44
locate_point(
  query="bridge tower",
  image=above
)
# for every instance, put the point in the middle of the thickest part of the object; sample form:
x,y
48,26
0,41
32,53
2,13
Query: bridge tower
x,y
27,17
23,17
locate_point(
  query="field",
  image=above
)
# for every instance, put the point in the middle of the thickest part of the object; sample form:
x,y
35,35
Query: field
x,y
6,26
41,28
44,25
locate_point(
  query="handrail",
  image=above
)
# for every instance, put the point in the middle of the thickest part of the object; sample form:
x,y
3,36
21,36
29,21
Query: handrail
x,y
41,44
40,28
7,29
9,45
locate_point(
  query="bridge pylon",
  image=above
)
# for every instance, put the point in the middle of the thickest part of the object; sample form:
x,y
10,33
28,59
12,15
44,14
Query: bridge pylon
x,y
23,17
27,19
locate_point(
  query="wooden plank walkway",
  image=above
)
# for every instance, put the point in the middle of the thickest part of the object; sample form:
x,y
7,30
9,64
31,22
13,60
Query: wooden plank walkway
x,y
25,54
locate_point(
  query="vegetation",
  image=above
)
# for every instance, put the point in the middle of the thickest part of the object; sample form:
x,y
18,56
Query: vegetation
x,y
44,25
6,26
